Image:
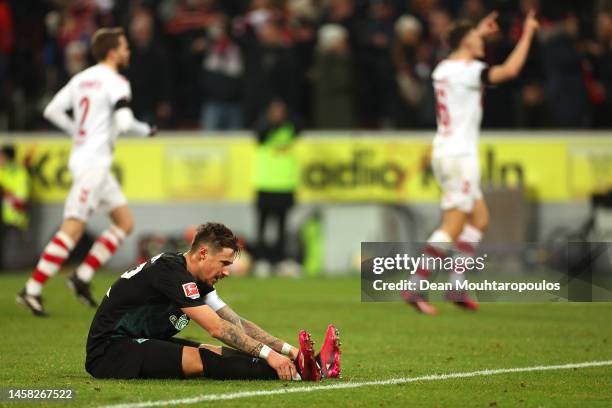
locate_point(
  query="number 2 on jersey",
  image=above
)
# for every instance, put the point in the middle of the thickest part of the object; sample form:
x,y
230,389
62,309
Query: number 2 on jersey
x,y
84,105
442,111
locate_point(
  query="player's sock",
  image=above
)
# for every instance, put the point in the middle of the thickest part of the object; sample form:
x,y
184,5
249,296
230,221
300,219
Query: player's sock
x,y
101,251
53,257
438,245
235,366
465,247
469,240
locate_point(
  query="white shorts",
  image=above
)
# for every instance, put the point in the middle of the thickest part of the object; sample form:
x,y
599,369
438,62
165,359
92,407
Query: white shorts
x,y
459,179
93,190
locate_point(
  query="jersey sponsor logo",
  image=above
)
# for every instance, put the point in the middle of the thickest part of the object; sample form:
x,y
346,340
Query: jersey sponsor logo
x,y
191,290
179,323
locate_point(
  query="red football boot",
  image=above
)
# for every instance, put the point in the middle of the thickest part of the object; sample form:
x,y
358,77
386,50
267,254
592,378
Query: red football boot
x,y
329,357
307,366
419,303
462,299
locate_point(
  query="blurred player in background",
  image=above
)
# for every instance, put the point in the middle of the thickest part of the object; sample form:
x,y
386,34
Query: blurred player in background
x,y
14,201
458,82
132,333
99,98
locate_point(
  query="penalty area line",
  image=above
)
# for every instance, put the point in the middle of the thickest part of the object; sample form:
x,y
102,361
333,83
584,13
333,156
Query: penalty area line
x,y
350,384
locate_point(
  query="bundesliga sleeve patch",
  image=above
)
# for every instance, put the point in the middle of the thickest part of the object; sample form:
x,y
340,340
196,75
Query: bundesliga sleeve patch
x,y
191,290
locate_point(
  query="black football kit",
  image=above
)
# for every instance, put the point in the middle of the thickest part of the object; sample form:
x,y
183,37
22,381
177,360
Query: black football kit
x,y
131,335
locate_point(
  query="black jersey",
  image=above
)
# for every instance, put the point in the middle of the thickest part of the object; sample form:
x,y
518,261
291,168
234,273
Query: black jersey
x,y
146,303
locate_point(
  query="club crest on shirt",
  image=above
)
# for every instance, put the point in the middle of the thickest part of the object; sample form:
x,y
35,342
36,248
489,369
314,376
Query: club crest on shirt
x,y
179,323
191,290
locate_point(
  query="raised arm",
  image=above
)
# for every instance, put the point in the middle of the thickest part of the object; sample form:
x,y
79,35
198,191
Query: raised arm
x,y
55,112
256,332
488,25
511,68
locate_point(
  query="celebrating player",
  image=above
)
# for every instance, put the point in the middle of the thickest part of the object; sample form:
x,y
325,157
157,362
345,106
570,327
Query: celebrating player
x,y
458,83
131,333
100,101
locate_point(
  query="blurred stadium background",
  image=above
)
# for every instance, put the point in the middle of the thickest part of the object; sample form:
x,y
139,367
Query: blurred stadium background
x,y
355,76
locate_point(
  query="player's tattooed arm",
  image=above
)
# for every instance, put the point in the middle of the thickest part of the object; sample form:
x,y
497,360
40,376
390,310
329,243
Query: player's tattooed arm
x,y
234,336
226,313
251,329
223,330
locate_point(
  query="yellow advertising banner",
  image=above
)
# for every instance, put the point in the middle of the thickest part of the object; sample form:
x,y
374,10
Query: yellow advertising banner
x,y
333,169
152,170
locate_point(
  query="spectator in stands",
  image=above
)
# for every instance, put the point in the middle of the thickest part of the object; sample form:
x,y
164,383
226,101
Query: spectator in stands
x,y
333,82
150,87
222,80
563,67
304,31
473,10
600,52
270,67
75,57
531,107
381,92
185,27
278,43
6,45
411,81
15,187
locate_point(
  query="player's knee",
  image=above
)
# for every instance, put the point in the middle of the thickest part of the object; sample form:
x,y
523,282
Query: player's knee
x,y
126,225
481,222
74,228
215,349
192,362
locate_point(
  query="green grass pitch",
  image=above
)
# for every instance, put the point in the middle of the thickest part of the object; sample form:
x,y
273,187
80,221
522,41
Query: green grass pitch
x,y
380,341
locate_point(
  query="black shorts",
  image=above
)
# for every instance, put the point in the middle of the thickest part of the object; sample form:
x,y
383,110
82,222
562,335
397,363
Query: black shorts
x,y
127,358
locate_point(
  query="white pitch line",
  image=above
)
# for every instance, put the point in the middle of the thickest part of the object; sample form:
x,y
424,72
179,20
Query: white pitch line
x,y
345,385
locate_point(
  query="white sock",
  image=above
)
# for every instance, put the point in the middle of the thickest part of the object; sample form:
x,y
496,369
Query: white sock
x,y
465,247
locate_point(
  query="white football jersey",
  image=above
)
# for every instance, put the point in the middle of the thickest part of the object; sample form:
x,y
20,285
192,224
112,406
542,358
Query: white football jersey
x,y
92,95
458,90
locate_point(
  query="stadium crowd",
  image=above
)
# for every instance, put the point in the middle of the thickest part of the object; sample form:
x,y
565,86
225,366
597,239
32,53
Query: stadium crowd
x,y
216,64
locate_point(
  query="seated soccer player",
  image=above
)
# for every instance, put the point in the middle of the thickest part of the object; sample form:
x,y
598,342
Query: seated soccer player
x,y
131,335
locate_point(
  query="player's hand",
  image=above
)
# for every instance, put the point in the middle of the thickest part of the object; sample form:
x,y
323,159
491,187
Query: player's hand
x,y
153,130
284,367
531,24
488,25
